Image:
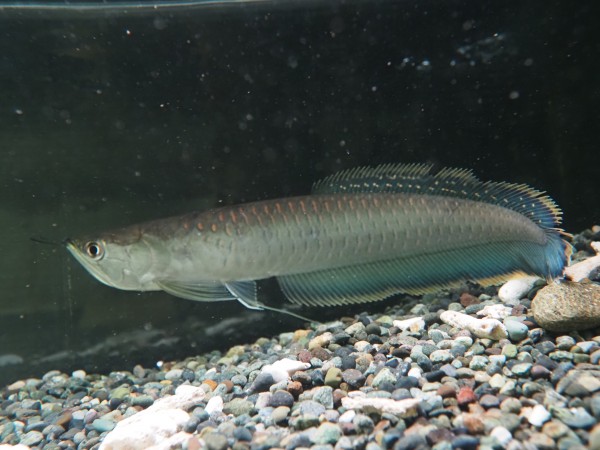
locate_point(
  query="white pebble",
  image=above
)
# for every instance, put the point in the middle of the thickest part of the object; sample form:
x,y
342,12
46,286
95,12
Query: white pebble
x,y
482,328
514,290
496,311
215,404
582,269
80,374
501,434
536,416
284,368
145,429
402,408
413,324
347,417
14,447
415,372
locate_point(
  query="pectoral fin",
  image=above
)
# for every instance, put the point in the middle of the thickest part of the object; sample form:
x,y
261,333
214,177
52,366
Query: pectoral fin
x,y
202,291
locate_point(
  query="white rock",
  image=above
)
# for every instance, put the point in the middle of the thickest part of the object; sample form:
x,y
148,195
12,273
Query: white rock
x,y
514,290
155,424
215,404
175,441
284,368
145,429
482,328
79,374
413,324
501,434
415,372
536,416
403,408
496,311
347,417
582,269
14,447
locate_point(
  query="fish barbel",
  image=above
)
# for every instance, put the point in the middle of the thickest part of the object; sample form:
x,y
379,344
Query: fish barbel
x,y
362,235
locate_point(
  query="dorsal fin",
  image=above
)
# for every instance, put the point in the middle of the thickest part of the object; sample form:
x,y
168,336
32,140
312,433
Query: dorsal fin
x,y
449,182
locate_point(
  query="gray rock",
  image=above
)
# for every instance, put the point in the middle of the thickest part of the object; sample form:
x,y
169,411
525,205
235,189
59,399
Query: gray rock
x,y
574,417
281,398
311,407
579,383
386,376
517,330
238,406
215,441
32,438
327,433
324,396
521,369
101,425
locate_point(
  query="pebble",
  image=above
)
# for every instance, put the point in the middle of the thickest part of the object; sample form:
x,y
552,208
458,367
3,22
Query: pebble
x,y
579,383
567,306
514,290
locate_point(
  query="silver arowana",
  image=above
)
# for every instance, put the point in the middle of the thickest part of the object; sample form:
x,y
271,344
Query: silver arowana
x,y
362,235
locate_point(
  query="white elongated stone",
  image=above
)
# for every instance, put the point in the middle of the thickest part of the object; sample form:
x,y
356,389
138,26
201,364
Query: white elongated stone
x,y
413,324
155,424
482,328
496,311
284,368
582,269
401,408
514,290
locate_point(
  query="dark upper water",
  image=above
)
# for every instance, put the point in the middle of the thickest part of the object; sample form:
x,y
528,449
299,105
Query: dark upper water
x,y
112,116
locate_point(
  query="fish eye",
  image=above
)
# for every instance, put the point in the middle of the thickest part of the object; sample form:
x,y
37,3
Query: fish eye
x,y
94,250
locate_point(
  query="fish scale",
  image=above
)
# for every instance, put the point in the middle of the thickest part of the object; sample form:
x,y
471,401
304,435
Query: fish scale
x,y
362,235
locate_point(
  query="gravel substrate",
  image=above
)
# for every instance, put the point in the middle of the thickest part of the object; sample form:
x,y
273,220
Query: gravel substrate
x,y
491,381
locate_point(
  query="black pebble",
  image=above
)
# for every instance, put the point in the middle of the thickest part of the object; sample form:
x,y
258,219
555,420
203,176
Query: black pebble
x,y
435,375
242,434
262,382
410,442
282,398
464,442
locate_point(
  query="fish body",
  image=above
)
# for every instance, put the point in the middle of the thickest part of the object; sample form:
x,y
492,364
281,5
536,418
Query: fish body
x,y
363,235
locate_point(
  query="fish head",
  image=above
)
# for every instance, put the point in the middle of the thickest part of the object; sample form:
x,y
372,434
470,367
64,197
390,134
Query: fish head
x,y
122,264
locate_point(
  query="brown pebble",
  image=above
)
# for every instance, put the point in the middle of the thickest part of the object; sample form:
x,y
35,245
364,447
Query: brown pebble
x,y
228,384
211,384
473,423
304,356
320,353
446,390
193,443
518,310
439,435
64,418
338,395
538,371
465,396
300,334
493,351
295,388
369,380
467,299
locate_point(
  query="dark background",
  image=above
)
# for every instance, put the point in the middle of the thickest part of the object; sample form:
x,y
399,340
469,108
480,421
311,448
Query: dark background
x,y
108,117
